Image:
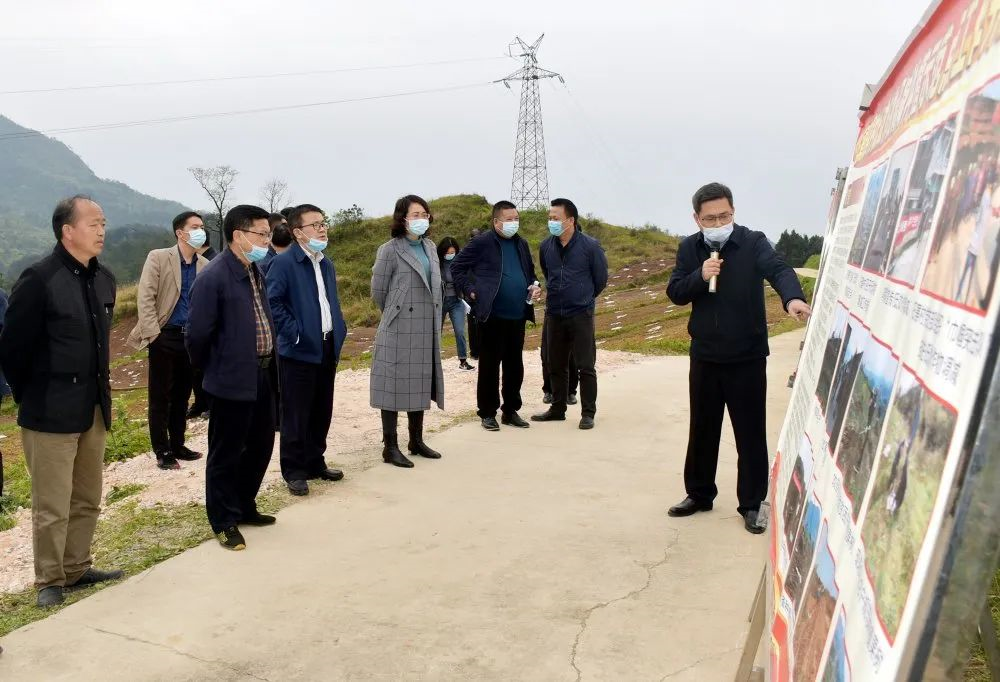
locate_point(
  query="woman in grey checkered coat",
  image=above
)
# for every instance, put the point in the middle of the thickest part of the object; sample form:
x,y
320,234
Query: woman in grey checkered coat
x,y
406,365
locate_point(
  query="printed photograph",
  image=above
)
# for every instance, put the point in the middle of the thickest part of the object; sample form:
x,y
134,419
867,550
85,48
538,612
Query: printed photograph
x,y
926,183
855,341
799,487
838,666
865,416
867,219
965,251
893,192
815,614
803,550
830,355
854,192
918,434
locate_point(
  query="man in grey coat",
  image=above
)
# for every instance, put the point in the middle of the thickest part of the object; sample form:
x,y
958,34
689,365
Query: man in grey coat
x,y
406,370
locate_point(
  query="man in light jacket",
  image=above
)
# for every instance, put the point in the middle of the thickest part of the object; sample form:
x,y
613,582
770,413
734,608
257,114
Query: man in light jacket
x,y
302,291
163,299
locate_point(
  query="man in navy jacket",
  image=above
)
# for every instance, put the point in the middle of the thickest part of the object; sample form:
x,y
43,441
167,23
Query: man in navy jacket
x,y
576,272
728,347
302,290
230,337
496,274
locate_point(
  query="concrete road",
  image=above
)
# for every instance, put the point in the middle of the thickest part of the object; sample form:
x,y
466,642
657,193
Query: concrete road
x,y
543,554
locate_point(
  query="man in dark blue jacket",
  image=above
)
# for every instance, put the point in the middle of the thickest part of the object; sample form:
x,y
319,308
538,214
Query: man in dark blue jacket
x,y
497,275
230,337
576,272
729,347
302,290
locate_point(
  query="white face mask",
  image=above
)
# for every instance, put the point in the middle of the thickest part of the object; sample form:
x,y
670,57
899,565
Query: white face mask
x,y
510,228
719,234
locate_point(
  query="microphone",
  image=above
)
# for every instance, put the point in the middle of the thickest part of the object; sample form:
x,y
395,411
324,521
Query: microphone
x,y
714,247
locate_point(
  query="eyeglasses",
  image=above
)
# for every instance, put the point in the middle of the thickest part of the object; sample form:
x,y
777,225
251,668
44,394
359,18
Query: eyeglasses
x,y
414,216
318,225
715,220
264,235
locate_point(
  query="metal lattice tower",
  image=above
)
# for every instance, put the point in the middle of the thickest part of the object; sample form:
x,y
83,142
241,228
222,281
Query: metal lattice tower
x,y
530,185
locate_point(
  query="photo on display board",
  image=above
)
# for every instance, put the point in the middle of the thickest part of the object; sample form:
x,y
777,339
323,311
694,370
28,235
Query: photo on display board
x,y
924,190
799,487
965,251
855,341
838,665
893,193
867,220
854,192
815,614
830,355
803,550
918,434
865,416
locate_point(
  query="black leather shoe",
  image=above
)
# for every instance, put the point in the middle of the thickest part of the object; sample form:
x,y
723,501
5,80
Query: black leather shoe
x,y
92,576
167,462
392,455
197,411
490,424
571,399
547,398
549,416
514,419
187,454
298,487
586,423
329,474
689,506
50,596
232,538
750,523
258,519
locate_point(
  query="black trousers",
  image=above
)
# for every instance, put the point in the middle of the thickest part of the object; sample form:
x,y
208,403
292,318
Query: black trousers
x,y
501,343
573,380
572,336
201,399
472,332
170,378
240,440
306,412
742,388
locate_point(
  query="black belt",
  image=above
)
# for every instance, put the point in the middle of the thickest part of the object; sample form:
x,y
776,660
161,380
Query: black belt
x,y
264,361
172,328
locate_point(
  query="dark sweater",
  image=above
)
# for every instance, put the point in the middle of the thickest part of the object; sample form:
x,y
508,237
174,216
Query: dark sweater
x,y
730,325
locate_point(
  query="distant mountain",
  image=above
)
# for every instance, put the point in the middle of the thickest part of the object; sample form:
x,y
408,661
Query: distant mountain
x,y
36,171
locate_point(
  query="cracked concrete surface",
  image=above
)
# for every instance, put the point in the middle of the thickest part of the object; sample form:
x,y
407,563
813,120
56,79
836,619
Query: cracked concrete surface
x,y
536,554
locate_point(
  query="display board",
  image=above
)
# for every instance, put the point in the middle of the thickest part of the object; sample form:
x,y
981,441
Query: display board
x,y
884,402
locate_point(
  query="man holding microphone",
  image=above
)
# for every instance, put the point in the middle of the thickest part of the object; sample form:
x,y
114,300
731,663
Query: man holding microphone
x,y
721,271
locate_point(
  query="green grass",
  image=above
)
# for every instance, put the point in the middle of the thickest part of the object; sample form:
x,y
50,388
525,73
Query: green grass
x,y
125,302
128,436
120,492
16,491
977,669
812,262
126,359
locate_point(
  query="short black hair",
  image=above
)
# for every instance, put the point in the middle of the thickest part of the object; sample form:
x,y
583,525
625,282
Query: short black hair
x,y
286,210
295,217
65,212
447,243
281,235
180,220
570,208
401,209
241,217
502,206
275,219
711,192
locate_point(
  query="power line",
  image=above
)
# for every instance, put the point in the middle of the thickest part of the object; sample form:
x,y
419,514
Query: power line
x,y
219,79
222,114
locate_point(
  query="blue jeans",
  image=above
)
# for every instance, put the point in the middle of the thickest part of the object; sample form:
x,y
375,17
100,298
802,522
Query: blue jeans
x,y
456,311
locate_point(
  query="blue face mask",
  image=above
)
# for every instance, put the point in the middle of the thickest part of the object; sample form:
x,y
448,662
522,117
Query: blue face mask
x,y
256,253
317,245
555,228
719,235
449,256
196,238
510,228
418,226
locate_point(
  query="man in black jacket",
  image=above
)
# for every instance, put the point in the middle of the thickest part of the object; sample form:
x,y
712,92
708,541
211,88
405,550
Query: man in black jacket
x,y
496,273
54,351
576,272
230,337
728,347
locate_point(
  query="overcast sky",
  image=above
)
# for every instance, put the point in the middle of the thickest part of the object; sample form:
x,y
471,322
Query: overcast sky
x,y
660,97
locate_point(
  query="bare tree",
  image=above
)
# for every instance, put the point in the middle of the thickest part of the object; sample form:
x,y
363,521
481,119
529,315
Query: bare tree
x,y
274,193
217,182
